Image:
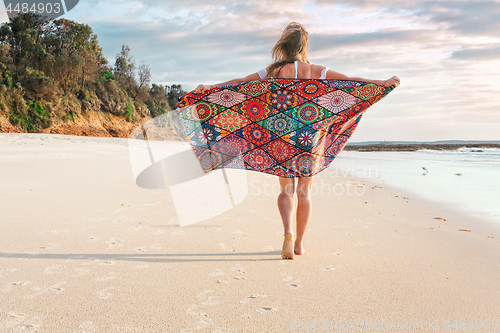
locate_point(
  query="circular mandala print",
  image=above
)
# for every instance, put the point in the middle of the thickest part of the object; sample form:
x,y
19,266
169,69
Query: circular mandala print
x,y
279,124
208,160
305,164
310,88
282,99
256,134
258,160
203,111
337,101
255,110
308,113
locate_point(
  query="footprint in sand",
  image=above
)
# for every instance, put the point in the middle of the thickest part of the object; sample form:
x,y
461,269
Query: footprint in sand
x,y
87,327
226,248
22,323
104,294
238,269
203,320
13,319
79,272
10,286
218,272
40,290
115,242
109,277
208,300
250,297
288,277
51,269
337,253
57,287
327,269
267,309
37,292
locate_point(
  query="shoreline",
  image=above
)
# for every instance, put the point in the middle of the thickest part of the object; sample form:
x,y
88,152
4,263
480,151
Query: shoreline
x,y
95,252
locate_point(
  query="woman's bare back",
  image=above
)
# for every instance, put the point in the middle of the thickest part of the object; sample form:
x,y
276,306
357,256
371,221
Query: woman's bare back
x,y
305,71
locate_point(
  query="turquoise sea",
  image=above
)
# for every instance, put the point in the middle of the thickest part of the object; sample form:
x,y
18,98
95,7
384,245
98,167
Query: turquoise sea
x,y
467,179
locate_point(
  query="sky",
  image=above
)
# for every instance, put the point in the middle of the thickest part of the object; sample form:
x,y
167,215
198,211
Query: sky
x,y
446,53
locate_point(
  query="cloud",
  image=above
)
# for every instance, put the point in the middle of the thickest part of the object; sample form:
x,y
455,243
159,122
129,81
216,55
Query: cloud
x,y
486,53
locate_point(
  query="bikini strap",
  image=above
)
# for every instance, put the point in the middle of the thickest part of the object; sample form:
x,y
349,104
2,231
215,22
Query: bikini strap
x,y
296,69
323,73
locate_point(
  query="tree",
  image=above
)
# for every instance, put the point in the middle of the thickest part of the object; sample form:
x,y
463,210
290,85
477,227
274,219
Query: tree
x,y
174,92
76,53
125,69
144,79
24,34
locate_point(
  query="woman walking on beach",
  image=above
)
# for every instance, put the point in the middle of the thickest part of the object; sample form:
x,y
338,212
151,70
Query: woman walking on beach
x,y
290,61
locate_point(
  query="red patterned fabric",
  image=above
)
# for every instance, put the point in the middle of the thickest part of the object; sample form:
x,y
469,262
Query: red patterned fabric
x,y
284,127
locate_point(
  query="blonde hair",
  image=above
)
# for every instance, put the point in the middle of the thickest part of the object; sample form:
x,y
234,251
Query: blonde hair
x,y
291,46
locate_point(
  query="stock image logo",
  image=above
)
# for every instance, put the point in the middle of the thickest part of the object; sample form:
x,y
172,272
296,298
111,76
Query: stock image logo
x,y
172,166
51,9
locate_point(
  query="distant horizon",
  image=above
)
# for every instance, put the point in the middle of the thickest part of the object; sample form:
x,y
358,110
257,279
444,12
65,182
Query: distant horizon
x,y
426,142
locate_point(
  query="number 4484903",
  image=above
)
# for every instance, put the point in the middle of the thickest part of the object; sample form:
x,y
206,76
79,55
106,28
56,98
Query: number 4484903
x,y
39,8
474,324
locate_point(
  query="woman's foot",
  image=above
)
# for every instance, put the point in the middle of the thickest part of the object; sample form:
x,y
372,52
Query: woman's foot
x,y
287,251
298,249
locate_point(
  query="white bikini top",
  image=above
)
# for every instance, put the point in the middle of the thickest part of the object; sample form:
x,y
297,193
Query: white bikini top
x,y
262,73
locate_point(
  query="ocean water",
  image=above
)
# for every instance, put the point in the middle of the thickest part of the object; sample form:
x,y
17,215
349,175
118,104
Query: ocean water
x,y
463,179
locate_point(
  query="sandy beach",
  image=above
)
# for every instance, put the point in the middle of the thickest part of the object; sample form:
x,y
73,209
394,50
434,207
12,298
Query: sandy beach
x,y
84,249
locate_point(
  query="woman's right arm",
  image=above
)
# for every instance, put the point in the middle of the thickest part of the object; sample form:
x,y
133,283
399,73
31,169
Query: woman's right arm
x,y
250,77
332,75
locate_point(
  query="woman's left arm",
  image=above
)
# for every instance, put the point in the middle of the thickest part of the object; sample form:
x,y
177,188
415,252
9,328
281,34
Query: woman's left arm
x,y
204,87
332,75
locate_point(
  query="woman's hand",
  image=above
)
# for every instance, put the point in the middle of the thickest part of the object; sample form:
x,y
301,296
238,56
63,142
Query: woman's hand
x,y
203,87
391,82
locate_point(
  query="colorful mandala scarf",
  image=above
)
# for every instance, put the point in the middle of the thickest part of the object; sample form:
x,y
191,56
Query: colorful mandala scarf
x,y
283,127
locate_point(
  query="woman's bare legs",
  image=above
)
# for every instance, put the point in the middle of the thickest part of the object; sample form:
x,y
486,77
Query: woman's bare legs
x,y
286,207
304,208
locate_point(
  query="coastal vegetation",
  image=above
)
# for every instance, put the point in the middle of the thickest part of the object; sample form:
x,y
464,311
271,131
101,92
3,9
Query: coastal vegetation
x,y
53,73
